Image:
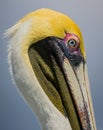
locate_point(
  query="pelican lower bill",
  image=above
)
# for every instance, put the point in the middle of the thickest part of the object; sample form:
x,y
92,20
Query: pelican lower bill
x,y
53,71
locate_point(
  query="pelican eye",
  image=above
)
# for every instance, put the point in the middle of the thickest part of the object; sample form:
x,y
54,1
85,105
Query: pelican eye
x,y
72,43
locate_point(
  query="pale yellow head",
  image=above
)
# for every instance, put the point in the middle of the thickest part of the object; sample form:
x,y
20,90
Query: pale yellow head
x,y
46,22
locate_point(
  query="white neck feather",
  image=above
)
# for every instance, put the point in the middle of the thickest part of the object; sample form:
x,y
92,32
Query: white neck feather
x,y
26,81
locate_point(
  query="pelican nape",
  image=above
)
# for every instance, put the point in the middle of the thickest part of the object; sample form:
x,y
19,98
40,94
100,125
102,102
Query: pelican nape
x,y
48,63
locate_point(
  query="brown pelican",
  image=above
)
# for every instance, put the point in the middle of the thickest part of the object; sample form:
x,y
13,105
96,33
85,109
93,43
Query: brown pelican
x,y
48,64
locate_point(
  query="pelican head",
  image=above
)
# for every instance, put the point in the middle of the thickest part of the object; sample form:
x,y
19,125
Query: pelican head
x,y
48,63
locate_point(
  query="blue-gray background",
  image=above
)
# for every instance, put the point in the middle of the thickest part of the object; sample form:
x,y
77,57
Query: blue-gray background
x,y
88,14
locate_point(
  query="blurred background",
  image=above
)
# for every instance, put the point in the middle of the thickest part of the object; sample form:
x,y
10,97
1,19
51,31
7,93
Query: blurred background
x,y
14,112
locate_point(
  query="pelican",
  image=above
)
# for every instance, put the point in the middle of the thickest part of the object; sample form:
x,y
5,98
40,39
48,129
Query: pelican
x,y
48,64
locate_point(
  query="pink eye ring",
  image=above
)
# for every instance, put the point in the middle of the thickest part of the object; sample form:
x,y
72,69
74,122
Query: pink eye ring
x,y
71,40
